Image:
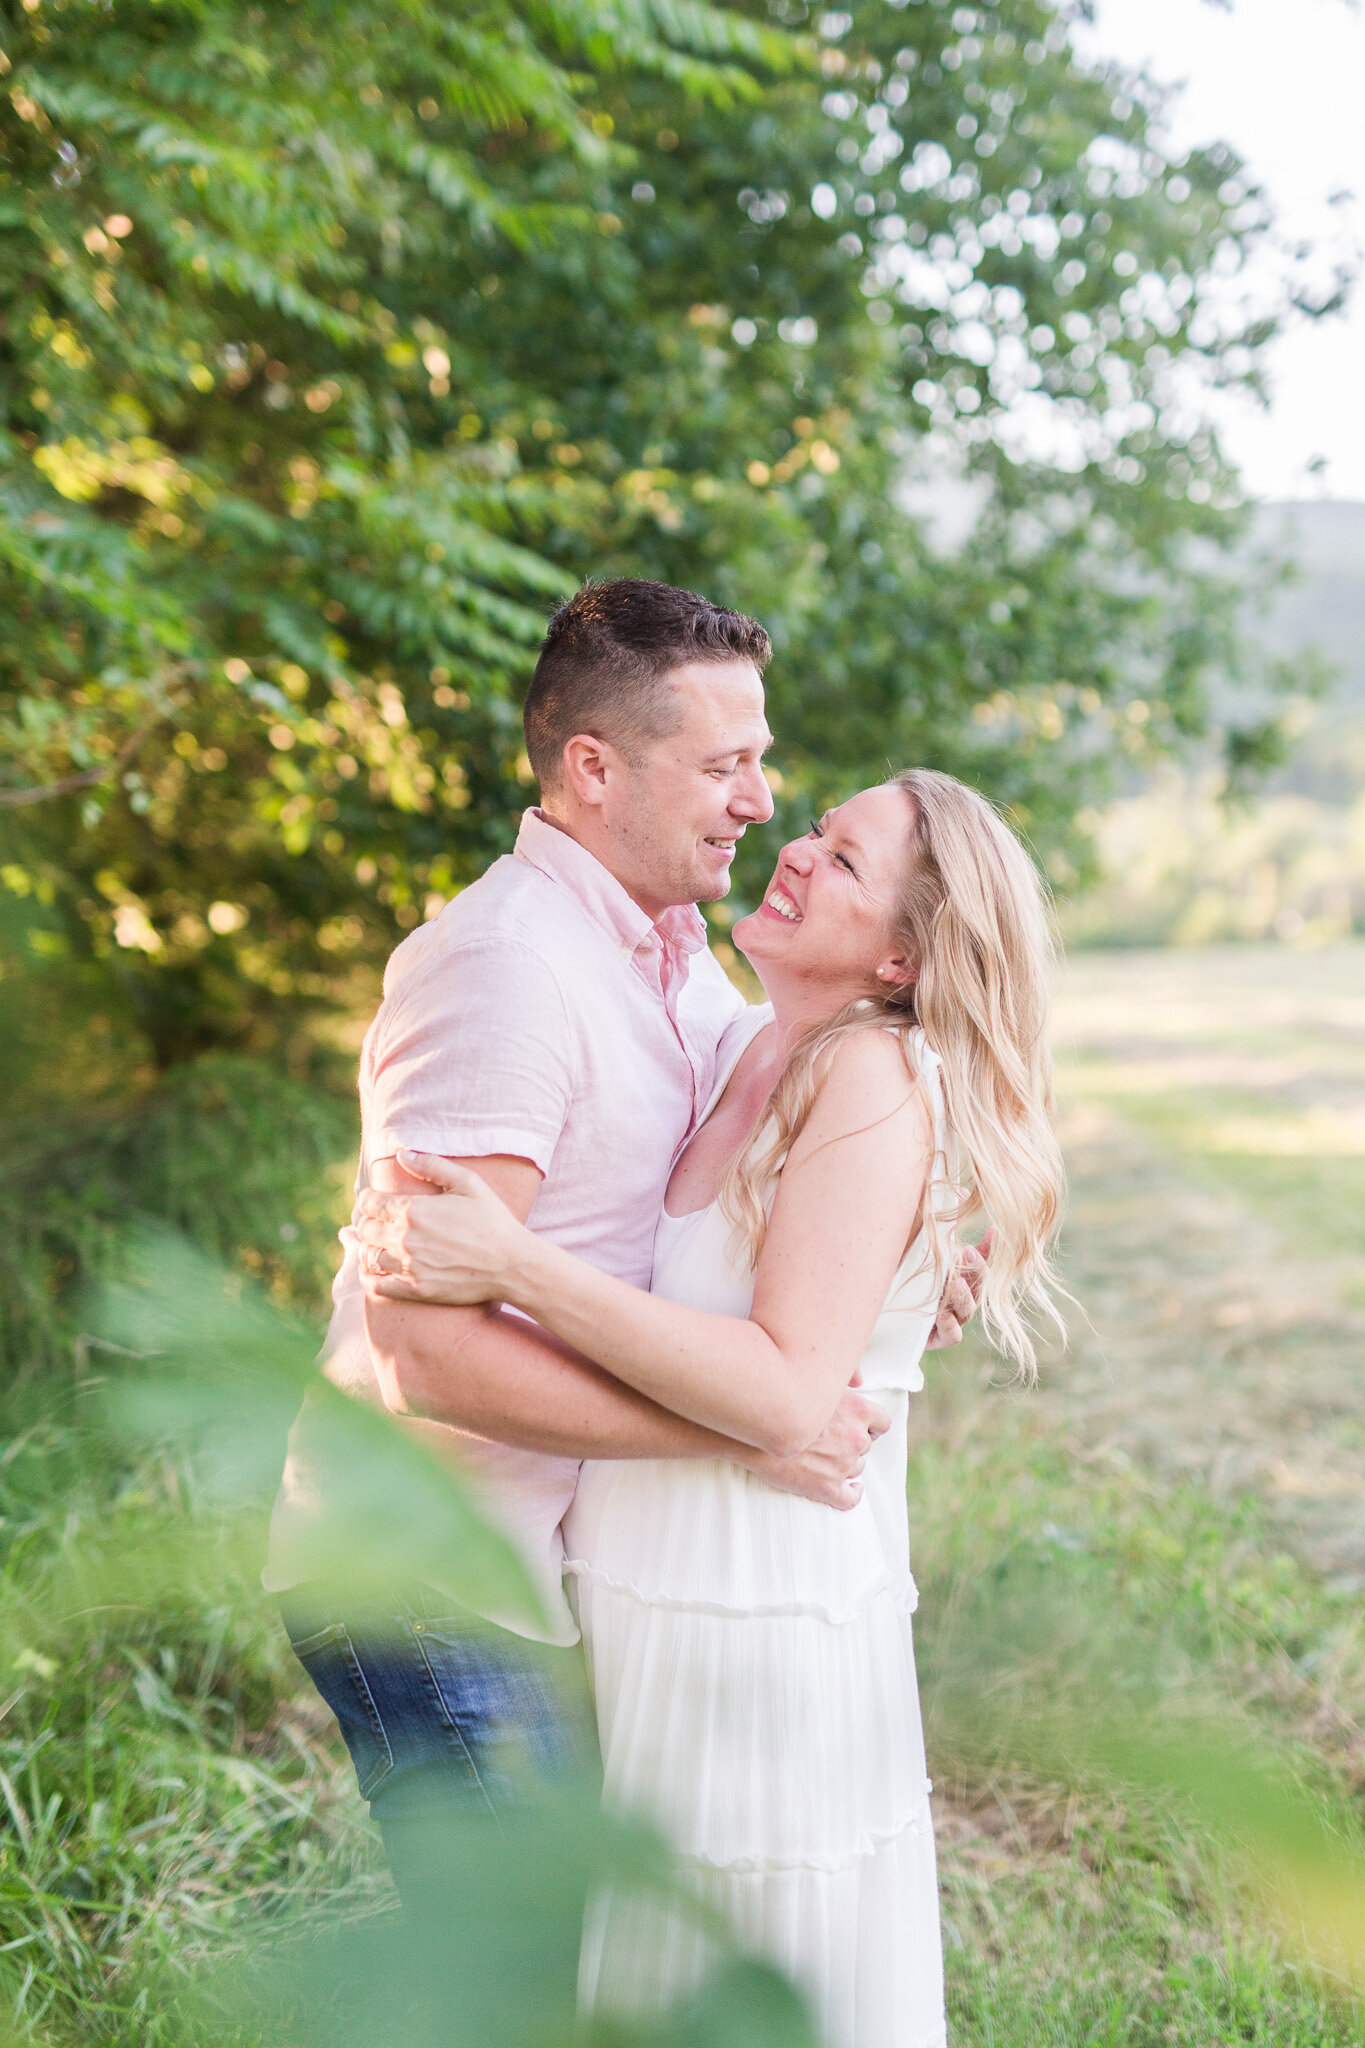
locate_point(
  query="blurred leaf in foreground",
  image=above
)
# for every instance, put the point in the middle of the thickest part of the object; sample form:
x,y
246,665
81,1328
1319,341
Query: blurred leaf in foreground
x,y
224,1372
487,1954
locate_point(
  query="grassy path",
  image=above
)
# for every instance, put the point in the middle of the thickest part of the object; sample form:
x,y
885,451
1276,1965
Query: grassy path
x,y
1198,1456
1216,1122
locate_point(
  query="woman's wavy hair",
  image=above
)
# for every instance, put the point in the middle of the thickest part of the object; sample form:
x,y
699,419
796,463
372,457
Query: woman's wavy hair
x,y
973,916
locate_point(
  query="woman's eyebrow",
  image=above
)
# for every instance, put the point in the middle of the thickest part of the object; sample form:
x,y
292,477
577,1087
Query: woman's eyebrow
x,y
847,840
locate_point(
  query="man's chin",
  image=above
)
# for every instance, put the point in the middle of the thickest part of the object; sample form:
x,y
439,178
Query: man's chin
x,y
712,882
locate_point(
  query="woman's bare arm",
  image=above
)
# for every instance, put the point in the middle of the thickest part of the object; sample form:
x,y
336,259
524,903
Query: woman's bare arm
x,y
495,1376
845,1209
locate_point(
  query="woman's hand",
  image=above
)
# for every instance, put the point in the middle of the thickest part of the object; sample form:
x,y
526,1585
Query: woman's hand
x,y
459,1245
961,1294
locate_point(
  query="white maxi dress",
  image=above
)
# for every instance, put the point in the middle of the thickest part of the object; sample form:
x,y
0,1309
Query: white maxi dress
x,y
755,1688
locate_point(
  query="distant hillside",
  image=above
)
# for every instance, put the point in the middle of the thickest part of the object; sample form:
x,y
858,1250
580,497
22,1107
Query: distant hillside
x,y
1327,605
1178,867
1324,609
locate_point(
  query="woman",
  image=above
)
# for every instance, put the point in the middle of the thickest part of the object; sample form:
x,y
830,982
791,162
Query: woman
x,y
751,1652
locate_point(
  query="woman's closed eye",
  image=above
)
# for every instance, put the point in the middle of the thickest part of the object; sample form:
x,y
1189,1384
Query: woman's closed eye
x,y
818,832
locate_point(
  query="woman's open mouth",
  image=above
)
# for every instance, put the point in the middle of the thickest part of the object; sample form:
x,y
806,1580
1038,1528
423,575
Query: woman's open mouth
x,y
780,904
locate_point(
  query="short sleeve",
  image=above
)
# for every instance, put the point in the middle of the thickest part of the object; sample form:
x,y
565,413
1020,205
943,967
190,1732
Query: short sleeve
x,y
473,1055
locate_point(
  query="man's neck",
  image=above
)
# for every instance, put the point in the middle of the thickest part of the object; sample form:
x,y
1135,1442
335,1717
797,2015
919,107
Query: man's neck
x,y
652,909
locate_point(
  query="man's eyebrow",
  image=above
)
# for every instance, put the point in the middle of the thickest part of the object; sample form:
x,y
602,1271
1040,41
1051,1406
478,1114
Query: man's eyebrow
x,y
734,753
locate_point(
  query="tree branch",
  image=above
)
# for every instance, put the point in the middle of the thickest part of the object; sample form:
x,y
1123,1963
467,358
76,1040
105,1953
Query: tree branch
x,y
69,784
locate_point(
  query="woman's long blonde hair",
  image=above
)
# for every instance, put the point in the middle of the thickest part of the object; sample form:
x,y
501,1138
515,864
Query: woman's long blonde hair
x,y
972,914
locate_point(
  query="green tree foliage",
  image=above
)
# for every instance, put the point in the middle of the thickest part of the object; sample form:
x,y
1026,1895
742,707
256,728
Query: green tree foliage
x,y
339,340
247,506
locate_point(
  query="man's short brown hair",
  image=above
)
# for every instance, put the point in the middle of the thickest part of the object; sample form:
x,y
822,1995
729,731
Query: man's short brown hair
x,y
604,666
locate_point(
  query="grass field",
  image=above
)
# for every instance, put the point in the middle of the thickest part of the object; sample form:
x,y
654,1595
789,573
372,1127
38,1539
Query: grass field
x,y
1200,1455
1187,1478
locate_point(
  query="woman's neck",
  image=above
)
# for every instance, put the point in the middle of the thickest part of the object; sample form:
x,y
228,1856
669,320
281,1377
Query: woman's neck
x,y
798,1007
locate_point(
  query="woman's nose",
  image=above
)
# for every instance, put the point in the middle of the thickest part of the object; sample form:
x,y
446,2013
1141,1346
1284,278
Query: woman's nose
x,y
800,854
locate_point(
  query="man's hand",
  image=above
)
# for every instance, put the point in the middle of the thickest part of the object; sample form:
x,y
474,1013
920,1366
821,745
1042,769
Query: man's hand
x,y
961,1294
830,1470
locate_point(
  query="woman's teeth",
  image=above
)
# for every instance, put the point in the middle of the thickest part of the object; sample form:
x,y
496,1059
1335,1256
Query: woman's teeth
x,y
784,907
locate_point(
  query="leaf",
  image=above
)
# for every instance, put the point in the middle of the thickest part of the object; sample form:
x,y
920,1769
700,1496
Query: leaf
x,y
225,1375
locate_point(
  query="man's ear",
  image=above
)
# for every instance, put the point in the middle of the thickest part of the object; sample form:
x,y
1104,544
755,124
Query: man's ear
x,y
588,766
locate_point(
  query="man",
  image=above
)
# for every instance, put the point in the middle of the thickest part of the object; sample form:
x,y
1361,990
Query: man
x,y
556,1028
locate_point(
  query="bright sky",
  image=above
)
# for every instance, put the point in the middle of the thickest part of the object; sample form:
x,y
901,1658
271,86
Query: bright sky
x,y
1283,82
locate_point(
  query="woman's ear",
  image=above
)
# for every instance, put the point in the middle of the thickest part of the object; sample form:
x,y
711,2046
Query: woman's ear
x,y
897,971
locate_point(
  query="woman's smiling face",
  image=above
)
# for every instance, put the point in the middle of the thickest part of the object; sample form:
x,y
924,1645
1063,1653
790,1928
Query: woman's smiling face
x,y
825,916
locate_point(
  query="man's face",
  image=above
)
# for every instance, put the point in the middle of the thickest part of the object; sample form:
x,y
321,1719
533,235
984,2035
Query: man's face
x,y
676,816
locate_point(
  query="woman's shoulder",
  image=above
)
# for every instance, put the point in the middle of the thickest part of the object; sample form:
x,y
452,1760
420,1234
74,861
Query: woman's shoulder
x,y
870,1074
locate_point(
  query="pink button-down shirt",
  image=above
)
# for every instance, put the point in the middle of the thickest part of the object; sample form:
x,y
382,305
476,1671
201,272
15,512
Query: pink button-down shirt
x,y
543,1015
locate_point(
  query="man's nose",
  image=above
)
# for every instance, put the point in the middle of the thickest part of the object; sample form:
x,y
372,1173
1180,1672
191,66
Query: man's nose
x,y
752,799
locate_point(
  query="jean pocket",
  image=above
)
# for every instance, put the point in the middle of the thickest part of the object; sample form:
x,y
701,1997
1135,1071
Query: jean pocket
x,y
498,1699
329,1658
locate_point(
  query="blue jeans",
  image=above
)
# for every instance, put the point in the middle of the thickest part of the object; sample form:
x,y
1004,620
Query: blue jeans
x,y
441,1712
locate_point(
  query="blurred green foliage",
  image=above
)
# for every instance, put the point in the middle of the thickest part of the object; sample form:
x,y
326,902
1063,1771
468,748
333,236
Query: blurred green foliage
x,y
242,1157
184,1858
175,1825
340,340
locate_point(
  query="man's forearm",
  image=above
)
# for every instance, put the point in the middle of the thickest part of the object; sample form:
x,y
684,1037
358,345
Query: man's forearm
x,y
496,1376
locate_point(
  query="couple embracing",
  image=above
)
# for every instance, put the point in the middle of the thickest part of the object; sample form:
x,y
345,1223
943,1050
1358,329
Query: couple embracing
x,y
658,1270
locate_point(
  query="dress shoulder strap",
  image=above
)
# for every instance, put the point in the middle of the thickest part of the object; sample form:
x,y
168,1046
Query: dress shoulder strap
x,y
735,1042
926,1065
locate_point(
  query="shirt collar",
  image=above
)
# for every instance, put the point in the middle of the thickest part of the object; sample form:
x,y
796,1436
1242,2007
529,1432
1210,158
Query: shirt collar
x,y
681,929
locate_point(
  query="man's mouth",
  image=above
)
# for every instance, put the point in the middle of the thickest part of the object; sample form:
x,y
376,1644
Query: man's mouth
x,y
780,902
724,845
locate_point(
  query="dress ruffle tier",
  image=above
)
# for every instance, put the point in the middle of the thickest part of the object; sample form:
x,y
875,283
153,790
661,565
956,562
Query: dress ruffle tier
x,y
754,1672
